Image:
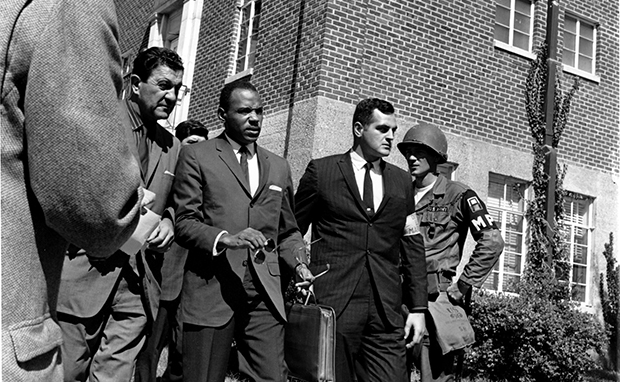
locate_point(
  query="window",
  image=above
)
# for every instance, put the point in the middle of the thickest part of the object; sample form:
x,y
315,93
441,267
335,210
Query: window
x,y
514,25
579,45
578,232
506,204
248,35
447,169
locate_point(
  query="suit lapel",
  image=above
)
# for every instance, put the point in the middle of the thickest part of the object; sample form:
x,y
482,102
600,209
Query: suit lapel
x,y
227,156
346,168
154,158
388,185
263,169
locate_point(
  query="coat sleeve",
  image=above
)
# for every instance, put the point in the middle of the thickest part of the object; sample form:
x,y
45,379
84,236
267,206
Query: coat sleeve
x,y
292,248
307,198
489,242
190,229
80,168
413,260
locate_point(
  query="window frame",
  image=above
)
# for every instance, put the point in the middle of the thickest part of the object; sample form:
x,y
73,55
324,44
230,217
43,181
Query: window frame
x,y
251,32
588,227
508,46
502,226
574,69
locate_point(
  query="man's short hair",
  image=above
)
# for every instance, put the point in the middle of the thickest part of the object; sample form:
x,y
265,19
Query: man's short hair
x,y
191,127
229,88
364,109
148,60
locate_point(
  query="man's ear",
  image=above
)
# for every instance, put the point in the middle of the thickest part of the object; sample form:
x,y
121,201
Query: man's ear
x,y
135,84
358,129
221,113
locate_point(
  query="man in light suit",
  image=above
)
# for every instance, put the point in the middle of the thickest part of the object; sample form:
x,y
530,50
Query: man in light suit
x,y
67,173
106,308
362,208
231,196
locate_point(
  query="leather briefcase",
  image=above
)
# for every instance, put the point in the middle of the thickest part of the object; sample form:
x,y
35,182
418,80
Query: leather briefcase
x,y
309,342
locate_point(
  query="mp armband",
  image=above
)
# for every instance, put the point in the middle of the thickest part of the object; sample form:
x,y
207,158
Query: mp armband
x,y
411,226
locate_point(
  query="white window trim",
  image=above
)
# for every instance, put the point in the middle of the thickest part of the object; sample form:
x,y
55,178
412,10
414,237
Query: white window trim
x,y
574,70
511,48
238,38
589,227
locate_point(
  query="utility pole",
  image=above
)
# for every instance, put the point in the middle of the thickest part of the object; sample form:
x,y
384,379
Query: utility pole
x,y
549,106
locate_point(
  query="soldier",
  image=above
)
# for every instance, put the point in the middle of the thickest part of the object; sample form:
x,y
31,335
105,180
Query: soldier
x,y
446,210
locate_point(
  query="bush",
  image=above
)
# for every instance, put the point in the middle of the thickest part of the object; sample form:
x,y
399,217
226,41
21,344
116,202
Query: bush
x,y
531,338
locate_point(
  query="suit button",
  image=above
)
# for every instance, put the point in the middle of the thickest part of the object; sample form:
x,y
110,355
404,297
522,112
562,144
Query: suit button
x,y
245,263
370,224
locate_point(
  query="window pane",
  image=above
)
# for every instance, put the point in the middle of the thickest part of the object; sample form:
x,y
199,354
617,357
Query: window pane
x,y
491,282
501,34
570,24
521,41
240,64
523,6
586,31
522,23
585,64
512,242
515,222
578,293
585,47
579,274
568,58
504,3
255,23
502,16
581,255
512,262
569,41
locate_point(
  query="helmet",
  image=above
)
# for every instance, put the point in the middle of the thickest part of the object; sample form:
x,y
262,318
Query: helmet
x,y
428,135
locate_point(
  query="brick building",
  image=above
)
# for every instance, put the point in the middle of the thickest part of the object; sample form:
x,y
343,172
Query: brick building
x,y
462,65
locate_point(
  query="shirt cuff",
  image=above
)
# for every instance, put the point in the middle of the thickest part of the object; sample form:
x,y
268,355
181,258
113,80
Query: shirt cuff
x,y
217,239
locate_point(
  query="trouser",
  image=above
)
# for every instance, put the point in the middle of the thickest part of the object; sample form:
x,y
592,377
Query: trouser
x,y
367,347
104,347
258,334
165,332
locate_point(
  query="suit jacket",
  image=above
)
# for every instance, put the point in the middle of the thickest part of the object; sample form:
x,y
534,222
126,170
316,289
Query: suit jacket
x,y
67,173
329,199
84,289
211,195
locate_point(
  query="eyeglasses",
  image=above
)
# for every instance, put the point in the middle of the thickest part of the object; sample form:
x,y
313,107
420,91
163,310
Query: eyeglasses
x,y
270,246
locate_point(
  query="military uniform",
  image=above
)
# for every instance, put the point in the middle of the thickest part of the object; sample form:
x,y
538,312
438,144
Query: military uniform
x,y
445,214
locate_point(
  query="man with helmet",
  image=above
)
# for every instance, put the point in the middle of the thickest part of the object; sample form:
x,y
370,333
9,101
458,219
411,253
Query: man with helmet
x,y
446,210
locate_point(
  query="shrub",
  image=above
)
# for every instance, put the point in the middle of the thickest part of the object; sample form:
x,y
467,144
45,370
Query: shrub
x,y
528,338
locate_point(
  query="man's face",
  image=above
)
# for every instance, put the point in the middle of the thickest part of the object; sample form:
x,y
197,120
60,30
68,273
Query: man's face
x,y
244,116
193,139
421,160
377,136
157,96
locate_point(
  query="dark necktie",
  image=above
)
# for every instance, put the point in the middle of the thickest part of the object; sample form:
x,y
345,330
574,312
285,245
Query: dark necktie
x,y
244,162
368,195
143,149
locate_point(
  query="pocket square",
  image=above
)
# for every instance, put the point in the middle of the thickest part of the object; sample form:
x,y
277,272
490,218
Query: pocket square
x,y
168,173
275,188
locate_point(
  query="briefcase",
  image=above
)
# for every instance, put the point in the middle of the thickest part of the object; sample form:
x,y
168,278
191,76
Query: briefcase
x,y
309,342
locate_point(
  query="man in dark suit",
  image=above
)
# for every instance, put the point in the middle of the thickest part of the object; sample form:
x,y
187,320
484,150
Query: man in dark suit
x,y
67,173
362,208
106,307
232,198
166,330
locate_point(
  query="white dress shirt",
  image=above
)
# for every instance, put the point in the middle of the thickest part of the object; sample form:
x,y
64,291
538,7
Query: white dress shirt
x,y
375,175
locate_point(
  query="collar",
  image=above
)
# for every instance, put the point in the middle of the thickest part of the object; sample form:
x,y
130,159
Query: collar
x,y
359,162
134,115
236,146
439,187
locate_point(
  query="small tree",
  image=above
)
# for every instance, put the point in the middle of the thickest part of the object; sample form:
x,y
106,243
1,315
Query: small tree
x,y
610,300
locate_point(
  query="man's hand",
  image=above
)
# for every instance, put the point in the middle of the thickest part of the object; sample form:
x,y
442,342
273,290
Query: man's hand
x,y
161,238
417,321
456,292
248,238
305,278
